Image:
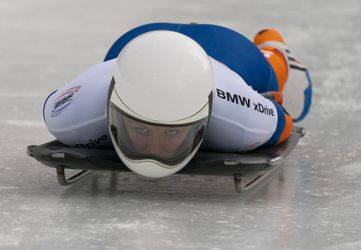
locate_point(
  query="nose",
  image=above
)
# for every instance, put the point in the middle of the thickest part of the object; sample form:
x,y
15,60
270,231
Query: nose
x,y
155,148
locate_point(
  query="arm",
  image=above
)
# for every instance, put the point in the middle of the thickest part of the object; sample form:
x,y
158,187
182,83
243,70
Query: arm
x,y
76,113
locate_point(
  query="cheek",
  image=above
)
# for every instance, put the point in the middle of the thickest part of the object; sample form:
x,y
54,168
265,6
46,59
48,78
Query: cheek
x,y
181,137
139,141
174,142
132,135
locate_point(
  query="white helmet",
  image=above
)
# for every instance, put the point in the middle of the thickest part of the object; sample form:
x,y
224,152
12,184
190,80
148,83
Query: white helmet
x,y
159,102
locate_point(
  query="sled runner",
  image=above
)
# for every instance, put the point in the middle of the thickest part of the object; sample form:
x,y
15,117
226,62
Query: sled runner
x,y
248,168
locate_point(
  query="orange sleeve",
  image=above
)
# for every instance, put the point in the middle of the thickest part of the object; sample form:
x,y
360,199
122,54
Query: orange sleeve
x,y
287,129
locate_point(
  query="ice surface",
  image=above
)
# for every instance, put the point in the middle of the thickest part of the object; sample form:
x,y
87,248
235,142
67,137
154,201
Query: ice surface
x,y
313,203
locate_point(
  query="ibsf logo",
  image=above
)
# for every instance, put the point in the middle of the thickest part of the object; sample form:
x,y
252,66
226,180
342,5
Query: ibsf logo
x,y
64,100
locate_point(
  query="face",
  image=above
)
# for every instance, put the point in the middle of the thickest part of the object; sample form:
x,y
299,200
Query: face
x,y
159,141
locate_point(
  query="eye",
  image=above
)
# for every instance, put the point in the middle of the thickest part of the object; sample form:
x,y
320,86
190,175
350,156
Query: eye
x,y
141,130
171,131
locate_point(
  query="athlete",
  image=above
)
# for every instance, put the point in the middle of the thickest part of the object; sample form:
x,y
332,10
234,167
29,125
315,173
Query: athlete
x,y
165,90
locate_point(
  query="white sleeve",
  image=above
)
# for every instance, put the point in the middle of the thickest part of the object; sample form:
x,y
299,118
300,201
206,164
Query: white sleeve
x,y
76,114
241,119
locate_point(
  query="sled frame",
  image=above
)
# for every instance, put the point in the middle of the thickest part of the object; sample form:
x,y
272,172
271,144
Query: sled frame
x,y
257,170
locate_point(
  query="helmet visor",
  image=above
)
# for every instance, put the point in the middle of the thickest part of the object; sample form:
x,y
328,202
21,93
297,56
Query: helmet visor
x,y
164,143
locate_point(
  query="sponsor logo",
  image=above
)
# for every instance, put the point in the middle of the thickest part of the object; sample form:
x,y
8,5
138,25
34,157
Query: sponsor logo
x,y
93,142
263,109
245,102
234,98
64,100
